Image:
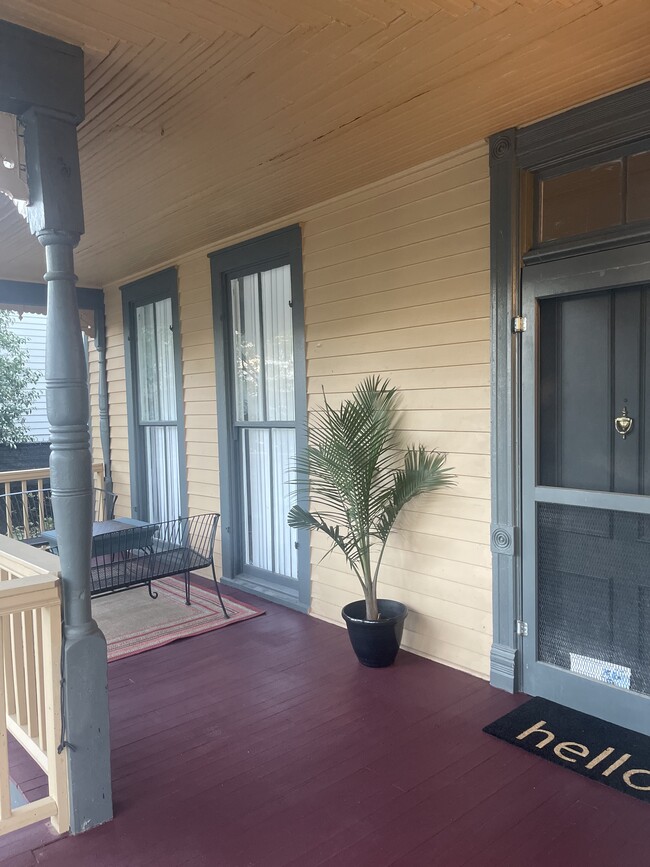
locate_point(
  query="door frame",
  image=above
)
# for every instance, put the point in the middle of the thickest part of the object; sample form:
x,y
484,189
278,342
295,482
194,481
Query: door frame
x,y
281,247
515,154
155,287
608,269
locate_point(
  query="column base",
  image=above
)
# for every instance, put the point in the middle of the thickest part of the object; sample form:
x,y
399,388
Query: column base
x,y
86,710
503,667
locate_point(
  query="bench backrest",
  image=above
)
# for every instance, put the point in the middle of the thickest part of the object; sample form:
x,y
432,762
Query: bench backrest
x,y
139,554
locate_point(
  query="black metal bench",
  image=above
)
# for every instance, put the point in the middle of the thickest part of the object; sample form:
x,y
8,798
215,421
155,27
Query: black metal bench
x,y
137,556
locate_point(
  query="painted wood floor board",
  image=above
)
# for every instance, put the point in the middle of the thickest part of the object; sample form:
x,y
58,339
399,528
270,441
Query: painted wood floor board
x,y
267,745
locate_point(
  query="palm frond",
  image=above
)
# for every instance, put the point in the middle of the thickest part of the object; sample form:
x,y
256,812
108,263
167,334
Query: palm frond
x,y
358,476
423,473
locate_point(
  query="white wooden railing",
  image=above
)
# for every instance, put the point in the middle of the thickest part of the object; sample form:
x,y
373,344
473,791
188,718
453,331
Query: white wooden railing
x,y
30,685
25,505
10,479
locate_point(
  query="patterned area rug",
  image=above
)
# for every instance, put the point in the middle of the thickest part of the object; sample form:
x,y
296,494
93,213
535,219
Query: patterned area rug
x,y
133,622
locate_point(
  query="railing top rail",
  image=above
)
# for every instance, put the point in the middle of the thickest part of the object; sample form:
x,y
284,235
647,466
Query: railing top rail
x,y
34,474
23,560
32,591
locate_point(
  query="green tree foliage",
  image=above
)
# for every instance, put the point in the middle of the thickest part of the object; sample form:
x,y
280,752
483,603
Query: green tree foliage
x,y
17,384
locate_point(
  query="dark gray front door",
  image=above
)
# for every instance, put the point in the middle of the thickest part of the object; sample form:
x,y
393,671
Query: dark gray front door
x,y
586,484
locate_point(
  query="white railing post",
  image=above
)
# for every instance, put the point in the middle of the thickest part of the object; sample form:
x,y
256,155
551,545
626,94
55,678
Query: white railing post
x,y
30,681
56,761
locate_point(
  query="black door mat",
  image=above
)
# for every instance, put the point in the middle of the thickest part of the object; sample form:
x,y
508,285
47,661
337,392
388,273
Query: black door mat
x,y
600,750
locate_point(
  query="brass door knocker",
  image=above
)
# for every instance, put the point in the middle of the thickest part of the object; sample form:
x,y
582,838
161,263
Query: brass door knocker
x,y
623,424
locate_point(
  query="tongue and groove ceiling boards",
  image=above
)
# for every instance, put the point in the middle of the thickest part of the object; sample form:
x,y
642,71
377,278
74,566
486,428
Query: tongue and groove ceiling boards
x,y
210,117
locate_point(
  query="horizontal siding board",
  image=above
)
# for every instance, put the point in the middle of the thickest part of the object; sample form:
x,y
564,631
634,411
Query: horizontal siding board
x,y
419,295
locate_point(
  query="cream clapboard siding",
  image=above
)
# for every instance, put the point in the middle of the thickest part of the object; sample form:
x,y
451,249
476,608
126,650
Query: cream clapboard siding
x,y
396,283
199,390
115,372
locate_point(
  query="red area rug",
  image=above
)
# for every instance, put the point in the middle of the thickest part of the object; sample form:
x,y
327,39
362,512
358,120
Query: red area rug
x,y
133,622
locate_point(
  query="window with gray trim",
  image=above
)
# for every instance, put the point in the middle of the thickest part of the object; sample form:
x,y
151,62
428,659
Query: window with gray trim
x,y
154,397
261,394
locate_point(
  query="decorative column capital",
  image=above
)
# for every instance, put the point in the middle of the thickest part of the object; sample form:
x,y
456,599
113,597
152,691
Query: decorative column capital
x,y
52,158
47,237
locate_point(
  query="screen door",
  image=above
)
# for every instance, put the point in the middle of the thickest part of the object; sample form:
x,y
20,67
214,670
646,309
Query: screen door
x,y
586,487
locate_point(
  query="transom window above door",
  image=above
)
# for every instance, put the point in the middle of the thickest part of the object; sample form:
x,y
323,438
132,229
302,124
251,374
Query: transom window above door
x,y
604,194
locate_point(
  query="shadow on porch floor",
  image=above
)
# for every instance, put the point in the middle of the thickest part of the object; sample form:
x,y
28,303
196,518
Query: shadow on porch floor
x,y
267,744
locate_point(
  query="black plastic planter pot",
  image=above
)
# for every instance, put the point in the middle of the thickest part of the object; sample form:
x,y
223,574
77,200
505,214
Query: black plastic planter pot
x,y
375,642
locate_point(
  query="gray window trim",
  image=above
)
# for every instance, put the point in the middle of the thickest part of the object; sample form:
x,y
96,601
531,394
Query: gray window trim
x,y
155,287
275,248
614,121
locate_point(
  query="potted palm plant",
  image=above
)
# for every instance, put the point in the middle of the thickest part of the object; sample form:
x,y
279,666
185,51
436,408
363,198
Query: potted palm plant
x,y
360,477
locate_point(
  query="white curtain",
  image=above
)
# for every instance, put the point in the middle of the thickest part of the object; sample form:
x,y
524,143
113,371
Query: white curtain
x,y
157,408
278,344
264,392
247,348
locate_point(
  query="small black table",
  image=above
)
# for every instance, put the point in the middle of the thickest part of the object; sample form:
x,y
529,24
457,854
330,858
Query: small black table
x,y
103,528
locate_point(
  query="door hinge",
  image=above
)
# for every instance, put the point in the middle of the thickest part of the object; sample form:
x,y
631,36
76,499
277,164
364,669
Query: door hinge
x,y
522,628
519,324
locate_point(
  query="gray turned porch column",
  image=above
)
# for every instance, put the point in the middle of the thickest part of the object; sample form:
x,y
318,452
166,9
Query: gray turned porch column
x,y
56,218
85,663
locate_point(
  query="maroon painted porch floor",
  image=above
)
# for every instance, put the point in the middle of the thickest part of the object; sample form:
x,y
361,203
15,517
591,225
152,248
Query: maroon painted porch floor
x,y
267,744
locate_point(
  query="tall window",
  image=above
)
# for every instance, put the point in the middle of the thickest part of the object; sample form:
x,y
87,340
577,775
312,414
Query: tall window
x,y
262,340
259,337
155,424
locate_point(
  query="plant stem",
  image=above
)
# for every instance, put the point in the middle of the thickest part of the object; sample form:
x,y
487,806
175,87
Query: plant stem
x,y
372,612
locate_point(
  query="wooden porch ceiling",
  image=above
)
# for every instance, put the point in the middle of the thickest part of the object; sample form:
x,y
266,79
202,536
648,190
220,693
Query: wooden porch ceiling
x,y
209,117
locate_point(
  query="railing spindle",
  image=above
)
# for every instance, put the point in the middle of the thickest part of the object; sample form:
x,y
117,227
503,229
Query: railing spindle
x,y
31,684
16,621
41,505
25,503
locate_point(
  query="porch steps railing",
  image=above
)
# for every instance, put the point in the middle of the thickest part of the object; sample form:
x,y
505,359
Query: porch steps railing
x,y
24,481
25,506
30,693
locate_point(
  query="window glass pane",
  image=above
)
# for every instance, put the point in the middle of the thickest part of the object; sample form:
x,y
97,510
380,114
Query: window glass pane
x,y
146,361
284,538
256,466
268,456
583,201
247,348
155,361
278,344
593,594
638,187
162,472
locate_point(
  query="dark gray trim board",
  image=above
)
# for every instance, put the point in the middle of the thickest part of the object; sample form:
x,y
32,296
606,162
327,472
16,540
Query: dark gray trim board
x,y
505,301
35,295
616,121
38,71
271,250
155,287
